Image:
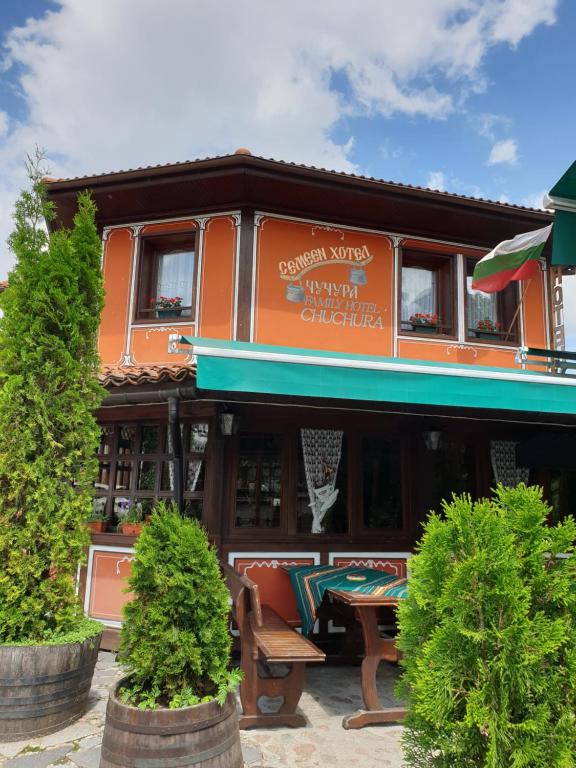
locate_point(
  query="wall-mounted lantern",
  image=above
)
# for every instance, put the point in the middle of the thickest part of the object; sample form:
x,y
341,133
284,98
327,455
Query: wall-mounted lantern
x,y
432,439
229,423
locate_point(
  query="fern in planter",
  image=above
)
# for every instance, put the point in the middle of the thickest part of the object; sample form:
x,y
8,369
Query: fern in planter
x,y
489,637
175,641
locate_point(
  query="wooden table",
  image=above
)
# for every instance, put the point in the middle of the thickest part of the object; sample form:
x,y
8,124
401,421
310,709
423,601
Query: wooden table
x,y
376,649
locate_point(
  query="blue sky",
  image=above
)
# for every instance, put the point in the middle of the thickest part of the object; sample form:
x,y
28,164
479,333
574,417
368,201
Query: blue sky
x,y
476,97
530,88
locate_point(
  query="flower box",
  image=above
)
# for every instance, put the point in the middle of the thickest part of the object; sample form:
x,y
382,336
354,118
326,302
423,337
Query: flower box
x,y
424,328
492,335
97,526
131,529
176,312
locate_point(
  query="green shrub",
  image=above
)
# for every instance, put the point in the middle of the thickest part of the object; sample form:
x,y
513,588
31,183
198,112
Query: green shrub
x,y
489,637
175,641
48,434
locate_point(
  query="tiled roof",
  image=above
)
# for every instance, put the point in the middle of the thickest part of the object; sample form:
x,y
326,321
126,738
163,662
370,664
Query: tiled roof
x,y
118,376
341,174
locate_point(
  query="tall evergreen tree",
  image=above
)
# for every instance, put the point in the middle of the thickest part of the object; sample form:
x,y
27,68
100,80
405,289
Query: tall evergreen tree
x,y
48,394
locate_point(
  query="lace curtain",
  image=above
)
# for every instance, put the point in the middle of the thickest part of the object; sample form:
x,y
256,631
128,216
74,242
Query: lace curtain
x,y
506,471
419,291
481,306
322,451
198,440
175,276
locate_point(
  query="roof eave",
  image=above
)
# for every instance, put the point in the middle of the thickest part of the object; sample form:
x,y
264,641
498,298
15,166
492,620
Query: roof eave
x,y
249,163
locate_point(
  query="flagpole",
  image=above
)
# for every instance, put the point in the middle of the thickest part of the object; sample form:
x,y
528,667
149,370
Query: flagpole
x,y
517,309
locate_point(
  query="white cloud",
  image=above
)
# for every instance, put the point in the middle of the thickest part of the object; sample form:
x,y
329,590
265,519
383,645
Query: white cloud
x,y
488,124
520,17
504,152
436,180
121,83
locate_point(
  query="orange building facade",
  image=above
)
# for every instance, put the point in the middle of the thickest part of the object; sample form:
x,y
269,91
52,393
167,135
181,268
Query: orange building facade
x,y
343,376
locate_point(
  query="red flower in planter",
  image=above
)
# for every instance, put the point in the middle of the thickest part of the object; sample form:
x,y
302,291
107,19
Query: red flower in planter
x,y
425,318
167,302
488,326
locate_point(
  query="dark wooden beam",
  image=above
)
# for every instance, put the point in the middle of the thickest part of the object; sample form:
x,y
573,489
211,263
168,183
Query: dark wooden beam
x,y
245,256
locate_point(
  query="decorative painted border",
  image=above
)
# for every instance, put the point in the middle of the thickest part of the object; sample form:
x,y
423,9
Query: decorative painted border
x,y
200,221
372,559
273,560
274,556
89,578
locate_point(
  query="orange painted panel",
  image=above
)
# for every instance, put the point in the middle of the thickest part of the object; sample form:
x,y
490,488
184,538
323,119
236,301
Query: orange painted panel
x,y
108,579
322,287
393,565
218,279
273,581
150,344
117,268
454,352
534,312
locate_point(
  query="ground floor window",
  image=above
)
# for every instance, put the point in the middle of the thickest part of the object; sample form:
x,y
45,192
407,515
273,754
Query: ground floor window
x,y
562,493
259,481
444,464
381,464
136,467
318,480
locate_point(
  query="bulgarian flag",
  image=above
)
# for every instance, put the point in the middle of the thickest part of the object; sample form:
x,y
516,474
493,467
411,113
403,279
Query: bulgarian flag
x,y
515,259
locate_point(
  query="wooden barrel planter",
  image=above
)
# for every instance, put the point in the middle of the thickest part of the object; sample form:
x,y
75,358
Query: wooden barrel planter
x,y
204,736
44,687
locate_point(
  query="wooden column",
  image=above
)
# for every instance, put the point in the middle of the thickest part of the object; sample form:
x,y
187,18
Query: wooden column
x,y
244,287
212,510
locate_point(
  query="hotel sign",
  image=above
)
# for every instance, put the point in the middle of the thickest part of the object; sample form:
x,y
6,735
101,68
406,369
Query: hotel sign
x,y
329,302
323,287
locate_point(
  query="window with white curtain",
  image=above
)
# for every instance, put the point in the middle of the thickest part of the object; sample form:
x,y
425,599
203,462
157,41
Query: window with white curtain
x,y
167,268
175,276
427,288
419,292
481,307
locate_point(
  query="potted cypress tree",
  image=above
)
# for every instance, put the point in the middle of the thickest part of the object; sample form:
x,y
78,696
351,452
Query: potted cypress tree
x,y
488,634
48,439
176,705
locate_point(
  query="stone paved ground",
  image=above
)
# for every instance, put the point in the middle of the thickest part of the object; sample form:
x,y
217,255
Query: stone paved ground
x,y
330,693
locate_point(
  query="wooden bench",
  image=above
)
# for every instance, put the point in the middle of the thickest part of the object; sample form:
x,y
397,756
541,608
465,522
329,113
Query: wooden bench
x,y
265,638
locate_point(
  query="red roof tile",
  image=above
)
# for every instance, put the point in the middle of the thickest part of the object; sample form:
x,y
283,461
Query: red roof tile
x,y
118,376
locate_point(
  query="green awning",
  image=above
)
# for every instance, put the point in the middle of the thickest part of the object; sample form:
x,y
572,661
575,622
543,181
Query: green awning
x,y
564,239
562,198
566,186
237,367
